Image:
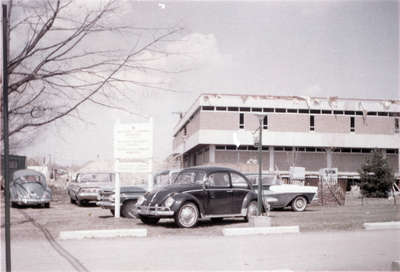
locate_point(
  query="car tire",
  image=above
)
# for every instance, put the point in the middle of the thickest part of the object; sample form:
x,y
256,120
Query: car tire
x,y
81,202
112,212
299,204
128,209
47,205
251,210
71,200
187,215
149,220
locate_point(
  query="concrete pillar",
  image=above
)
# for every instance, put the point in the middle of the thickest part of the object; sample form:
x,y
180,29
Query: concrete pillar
x,y
329,158
211,153
271,158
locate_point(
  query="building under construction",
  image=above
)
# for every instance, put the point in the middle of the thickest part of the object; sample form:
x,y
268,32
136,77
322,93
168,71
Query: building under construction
x,y
309,132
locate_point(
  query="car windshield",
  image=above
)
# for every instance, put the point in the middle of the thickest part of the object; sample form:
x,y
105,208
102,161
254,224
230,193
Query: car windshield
x,y
189,177
30,178
94,177
162,179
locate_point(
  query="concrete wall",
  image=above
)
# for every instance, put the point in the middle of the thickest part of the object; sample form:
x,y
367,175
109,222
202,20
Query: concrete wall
x,y
374,125
289,122
219,120
332,124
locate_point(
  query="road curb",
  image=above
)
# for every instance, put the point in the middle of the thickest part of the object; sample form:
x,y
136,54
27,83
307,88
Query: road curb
x,y
260,230
84,234
382,225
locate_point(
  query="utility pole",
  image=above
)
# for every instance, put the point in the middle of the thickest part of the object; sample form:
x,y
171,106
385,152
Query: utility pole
x,y
5,140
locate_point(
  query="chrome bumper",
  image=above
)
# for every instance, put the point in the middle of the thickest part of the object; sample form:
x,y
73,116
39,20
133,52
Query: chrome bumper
x,y
154,211
87,196
31,201
106,204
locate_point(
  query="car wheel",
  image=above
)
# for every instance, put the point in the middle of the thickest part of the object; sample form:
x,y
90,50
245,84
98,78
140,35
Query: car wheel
x,y
187,215
149,220
251,210
299,204
217,219
128,209
47,205
81,202
71,200
112,212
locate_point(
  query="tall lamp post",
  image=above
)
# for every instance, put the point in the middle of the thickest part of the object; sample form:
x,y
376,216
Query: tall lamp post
x,y
259,198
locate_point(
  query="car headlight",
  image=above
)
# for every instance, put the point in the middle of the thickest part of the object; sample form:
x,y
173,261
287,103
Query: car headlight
x,y
46,194
112,197
140,200
169,202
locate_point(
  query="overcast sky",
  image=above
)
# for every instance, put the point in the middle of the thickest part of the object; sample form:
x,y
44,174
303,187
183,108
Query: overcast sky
x,y
319,48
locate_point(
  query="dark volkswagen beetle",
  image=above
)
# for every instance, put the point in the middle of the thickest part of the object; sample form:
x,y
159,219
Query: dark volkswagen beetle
x,y
199,192
29,187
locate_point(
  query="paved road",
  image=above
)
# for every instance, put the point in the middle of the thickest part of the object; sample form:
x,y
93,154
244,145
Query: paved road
x,y
361,250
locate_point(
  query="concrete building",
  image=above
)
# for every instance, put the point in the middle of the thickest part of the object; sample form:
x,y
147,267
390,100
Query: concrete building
x,y
310,132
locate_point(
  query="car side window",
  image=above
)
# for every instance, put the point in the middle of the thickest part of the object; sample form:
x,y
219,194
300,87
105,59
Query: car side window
x,y
238,181
219,179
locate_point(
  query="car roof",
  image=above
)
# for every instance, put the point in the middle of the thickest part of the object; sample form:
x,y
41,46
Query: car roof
x,y
165,172
209,169
25,172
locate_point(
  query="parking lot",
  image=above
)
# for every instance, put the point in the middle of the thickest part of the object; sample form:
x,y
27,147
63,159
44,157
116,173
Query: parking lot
x,y
31,223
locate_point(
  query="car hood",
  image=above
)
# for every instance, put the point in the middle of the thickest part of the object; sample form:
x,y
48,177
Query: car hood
x,y
126,189
93,185
157,196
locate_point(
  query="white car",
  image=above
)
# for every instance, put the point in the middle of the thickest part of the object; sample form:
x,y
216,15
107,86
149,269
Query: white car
x,y
276,194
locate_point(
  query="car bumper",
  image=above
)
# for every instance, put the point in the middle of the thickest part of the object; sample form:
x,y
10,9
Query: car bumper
x,y
106,204
31,201
87,196
154,211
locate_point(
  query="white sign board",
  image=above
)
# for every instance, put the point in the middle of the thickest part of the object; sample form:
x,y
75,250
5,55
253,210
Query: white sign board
x,y
133,147
298,173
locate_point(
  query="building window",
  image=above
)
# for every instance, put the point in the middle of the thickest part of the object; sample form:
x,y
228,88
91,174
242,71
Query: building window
x,y
208,108
396,125
304,111
312,123
352,128
241,120
265,122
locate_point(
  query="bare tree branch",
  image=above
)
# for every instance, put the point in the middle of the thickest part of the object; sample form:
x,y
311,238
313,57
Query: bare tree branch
x,y
61,63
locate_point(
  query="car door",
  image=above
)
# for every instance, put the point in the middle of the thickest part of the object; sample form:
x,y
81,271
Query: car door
x,y
240,188
219,193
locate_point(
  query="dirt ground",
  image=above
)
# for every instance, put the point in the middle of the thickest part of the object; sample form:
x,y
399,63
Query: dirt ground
x,y
31,223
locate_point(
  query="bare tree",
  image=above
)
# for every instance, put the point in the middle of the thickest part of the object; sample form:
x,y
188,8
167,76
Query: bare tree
x,y
64,54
